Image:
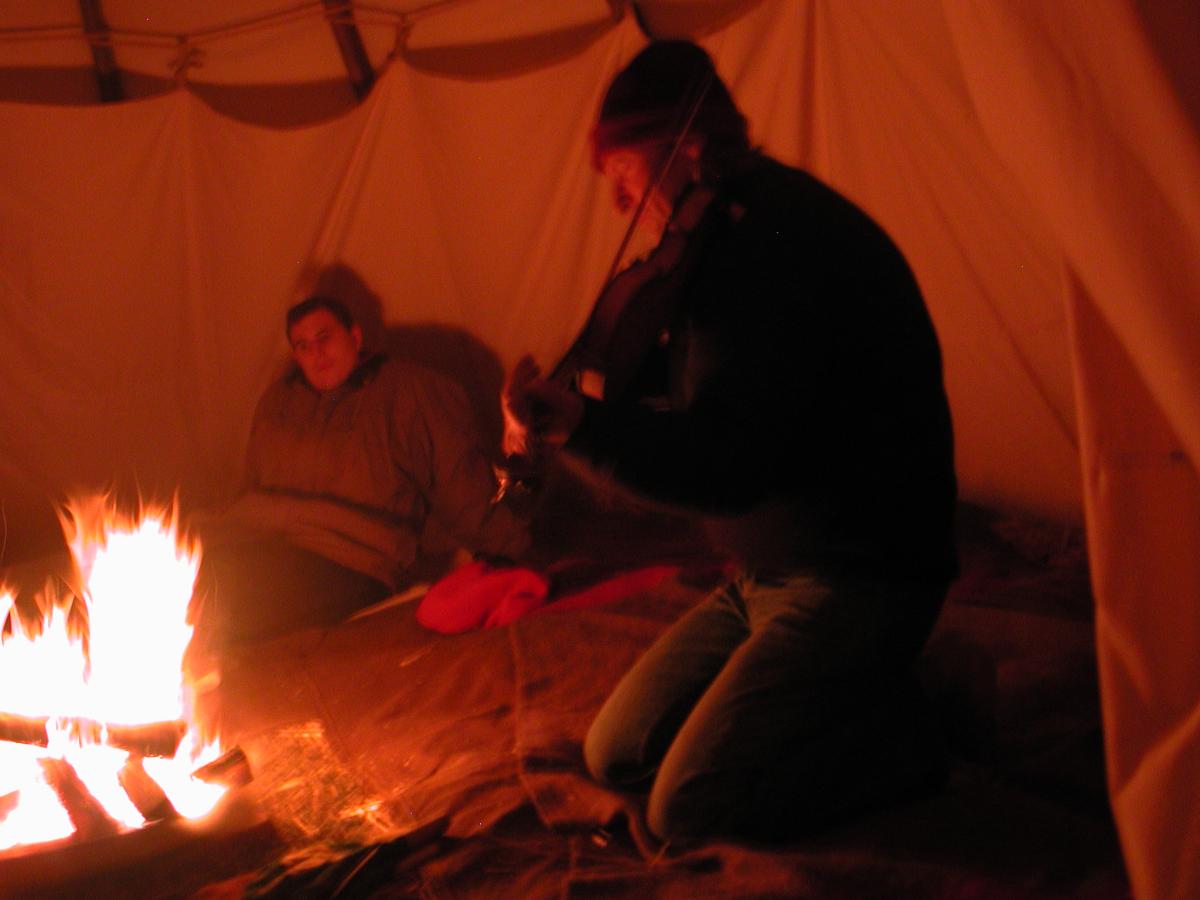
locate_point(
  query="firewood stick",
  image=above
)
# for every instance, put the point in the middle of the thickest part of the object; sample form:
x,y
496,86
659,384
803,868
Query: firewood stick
x,y
87,814
8,802
23,730
153,739
144,791
230,769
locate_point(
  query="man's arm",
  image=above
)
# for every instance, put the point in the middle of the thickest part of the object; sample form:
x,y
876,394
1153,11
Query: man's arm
x,y
714,456
441,447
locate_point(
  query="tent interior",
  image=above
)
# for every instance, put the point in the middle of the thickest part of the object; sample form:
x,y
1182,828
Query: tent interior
x,y
176,175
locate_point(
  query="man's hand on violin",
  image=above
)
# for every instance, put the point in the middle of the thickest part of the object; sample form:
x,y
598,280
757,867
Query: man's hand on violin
x,y
537,411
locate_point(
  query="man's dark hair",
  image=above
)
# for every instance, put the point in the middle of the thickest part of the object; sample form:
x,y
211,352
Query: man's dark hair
x,y
340,311
651,98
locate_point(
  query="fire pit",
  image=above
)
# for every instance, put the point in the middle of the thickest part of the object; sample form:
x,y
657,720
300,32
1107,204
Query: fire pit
x,y
98,754
166,858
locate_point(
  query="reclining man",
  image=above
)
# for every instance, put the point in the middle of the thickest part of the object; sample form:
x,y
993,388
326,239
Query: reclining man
x,y
348,459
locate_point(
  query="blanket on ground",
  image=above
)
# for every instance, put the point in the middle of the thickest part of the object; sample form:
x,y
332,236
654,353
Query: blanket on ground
x,y
476,739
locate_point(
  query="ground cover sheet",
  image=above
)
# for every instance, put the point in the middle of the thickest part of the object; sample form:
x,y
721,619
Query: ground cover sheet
x,y
471,744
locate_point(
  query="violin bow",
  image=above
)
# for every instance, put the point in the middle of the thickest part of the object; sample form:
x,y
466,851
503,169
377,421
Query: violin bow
x,y
660,175
504,474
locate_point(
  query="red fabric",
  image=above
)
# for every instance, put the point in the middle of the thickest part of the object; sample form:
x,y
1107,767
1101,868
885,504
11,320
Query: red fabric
x,y
615,588
479,595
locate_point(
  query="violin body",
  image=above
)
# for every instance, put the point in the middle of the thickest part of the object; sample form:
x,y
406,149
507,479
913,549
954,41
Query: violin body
x,y
627,322
638,306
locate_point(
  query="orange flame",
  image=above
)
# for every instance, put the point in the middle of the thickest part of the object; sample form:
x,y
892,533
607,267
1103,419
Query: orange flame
x,y
120,662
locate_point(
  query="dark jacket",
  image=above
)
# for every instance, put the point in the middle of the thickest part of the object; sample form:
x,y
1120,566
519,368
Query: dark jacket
x,y
802,408
356,474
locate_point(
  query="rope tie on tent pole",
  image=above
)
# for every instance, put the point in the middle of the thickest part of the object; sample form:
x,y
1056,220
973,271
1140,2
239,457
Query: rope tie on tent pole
x,y
616,9
640,18
403,32
187,56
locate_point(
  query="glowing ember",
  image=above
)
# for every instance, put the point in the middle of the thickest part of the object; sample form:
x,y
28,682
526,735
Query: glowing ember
x,y
138,578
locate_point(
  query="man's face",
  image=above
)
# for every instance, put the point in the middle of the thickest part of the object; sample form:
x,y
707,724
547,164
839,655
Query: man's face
x,y
630,171
325,350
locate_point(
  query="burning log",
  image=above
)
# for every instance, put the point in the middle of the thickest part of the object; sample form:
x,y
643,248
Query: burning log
x,y
144,792
154,739
23,730
231,769
87,815
8,802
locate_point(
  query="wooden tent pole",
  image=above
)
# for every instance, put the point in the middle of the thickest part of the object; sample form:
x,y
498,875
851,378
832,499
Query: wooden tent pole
x,y
95,28
350,43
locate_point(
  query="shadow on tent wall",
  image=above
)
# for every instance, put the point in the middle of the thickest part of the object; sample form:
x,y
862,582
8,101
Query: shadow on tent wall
x,y
269,105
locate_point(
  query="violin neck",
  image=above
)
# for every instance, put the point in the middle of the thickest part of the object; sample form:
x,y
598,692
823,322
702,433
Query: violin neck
x,y
690,207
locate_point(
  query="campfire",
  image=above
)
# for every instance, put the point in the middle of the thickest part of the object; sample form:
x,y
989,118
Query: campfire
x,y
96,733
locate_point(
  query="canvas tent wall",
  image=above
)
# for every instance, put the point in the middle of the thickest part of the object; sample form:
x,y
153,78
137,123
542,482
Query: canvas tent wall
x,y
1038,164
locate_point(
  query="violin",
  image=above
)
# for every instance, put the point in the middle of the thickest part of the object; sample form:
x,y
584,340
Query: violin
x,y
630,318
636,306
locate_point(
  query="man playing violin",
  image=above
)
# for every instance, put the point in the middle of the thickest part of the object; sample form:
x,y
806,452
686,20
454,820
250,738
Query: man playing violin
x,y
797,405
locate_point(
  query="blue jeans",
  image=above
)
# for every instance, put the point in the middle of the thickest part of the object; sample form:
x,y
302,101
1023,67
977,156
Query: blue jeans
x,y
777,705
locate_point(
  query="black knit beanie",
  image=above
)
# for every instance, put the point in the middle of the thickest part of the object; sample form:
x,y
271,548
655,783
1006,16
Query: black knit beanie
x,y
651,98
